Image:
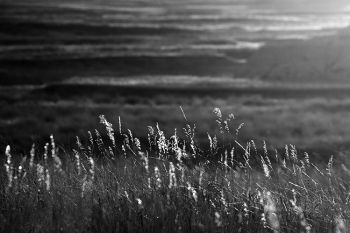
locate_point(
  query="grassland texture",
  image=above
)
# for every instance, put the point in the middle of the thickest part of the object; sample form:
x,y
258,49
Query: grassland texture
x,y
118,184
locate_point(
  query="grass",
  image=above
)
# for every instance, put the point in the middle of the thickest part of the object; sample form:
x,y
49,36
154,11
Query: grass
x,y
112,182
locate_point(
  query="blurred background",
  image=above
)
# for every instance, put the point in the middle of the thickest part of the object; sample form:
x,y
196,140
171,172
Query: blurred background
x,y
282,67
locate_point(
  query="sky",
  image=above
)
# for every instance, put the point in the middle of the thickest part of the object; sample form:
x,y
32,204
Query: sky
x,y
323,5
282,5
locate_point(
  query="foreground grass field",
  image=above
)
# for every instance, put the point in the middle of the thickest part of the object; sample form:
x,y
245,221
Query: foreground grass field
x,y
171,184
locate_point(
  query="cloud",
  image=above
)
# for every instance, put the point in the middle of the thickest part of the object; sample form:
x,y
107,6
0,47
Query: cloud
x,y
305,4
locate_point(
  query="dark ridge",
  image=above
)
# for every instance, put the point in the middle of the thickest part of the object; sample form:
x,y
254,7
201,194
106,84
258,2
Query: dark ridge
x,y
39,40
49,29
48,71
62,91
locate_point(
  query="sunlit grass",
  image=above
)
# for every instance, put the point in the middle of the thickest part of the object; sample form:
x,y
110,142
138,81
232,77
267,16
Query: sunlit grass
x,y
171,184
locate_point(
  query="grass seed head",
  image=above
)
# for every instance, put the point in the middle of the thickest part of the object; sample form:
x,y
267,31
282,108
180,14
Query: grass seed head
x,y
109,128
172,176
218,220
158,179
32,156
47,180
77,161
40,173
53,146
9,166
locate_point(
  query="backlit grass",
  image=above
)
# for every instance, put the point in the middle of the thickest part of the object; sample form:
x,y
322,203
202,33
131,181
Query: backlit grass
x,y
171,184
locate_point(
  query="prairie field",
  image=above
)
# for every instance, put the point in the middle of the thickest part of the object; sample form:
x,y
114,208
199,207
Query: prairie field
x,y
112,182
